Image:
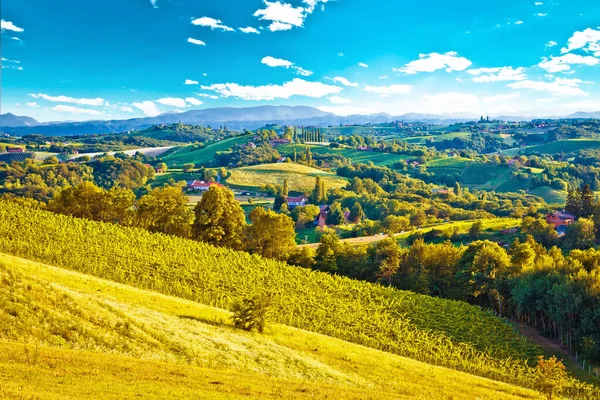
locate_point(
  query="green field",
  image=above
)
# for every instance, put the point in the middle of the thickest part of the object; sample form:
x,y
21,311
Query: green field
x,y
448,166
181,155
77,336
491,177
357,156
549,195
437,138
561,146
300,177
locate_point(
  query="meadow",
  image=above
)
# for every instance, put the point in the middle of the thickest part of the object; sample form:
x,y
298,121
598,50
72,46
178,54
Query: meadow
x,y
116,341
201,155
357,156
561,146
300,177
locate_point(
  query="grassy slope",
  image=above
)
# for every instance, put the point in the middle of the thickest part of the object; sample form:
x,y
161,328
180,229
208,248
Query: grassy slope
x,y
189,154
191,350
300,177
560,146
356,156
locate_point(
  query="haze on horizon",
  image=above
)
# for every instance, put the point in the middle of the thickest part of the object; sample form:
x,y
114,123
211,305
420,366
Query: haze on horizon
x,y
72,60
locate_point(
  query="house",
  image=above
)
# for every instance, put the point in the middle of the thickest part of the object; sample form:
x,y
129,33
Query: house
x,y
560,218
296,201
281,159
201,186
15,150
321,220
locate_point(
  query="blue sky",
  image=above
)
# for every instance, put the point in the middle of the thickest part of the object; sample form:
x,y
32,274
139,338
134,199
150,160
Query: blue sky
x,y
79,60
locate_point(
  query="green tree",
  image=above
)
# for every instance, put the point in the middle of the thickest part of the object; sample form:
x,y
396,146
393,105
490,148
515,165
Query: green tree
x,y
388,255
581,234
476,229
165,210
356,213
457,189
309,159
335,216
220,220
327,252
395,224
573,202
162,167
552,377
418,219
270,234
188,167
305,215
587,201
252,313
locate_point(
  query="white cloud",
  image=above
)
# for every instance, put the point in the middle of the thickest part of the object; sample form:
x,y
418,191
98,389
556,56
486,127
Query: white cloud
x,y
249,29
66,99
212,23
204,74
154,3
193,101
126,109
9,26
16,38
339,100
539,3
383,77
340,54
33,104
541,14
172,101
280,26
196,41
587,40
563,63
518,22
498,74
209,96
363,65
386,91
295,87
282,14
449,61
190,82
343,81
279,62
276,62
76,110
551,43
558,87
148,108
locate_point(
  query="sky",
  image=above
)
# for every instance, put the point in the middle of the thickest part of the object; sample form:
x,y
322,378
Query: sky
x,y
116,59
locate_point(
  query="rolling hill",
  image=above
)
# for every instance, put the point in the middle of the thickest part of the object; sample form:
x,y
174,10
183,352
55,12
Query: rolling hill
x,y
198,155
300,177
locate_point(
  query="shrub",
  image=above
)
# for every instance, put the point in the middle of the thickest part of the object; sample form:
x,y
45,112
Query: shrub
x,y
251,313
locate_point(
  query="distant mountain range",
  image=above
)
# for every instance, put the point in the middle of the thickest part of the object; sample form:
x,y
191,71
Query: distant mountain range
x,y
235,118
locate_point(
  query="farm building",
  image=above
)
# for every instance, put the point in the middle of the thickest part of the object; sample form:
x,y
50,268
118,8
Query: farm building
x,y
296,201
201,186
560,218
15,150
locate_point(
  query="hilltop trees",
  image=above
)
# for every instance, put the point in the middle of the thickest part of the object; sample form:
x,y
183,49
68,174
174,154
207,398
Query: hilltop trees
x,y
270,234
165,210
220,219
580,202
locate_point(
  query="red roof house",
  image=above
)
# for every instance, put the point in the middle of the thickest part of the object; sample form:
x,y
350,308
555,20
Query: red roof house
x,y
201,186
560,218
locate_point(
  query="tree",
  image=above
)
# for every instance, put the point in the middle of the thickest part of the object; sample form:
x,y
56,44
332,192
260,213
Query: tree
x,y
396,224
162,167
573,202
309,159
50,160
304,215
388,255
165,210
596,218
220,220
270,234
457,189
188,167
418,219
552,377
327,252
475,229
319,195
335,216
251,313
587,201
285,190
581,234
356,213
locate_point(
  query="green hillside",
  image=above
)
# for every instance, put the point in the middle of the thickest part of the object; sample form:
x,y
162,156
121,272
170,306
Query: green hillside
x,y
179,156
561,146
441,332
299,177
116,341
357,156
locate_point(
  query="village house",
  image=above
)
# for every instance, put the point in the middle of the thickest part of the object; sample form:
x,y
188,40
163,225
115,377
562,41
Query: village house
x,y
201,186
560,218
15,150
296,201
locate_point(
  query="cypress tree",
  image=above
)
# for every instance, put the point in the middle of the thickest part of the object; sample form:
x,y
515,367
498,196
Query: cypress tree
x,y
587,201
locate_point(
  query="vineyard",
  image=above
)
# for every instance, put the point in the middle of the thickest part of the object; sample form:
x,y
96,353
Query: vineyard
x,y
439,332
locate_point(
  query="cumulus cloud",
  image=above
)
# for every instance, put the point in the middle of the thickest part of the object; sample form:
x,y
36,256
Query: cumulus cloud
x,y
279,62
280,26
360,64
539,3
33,104
551,43
587,40
126,109
497,74
339,100
211,23
9,26
172,101
386,91
249,29
193,101
284,16
541,14
66,99
431,62
563,63
154,3
196,41
558,87
76,110
208,96
295,87
190,82
147,107
343,81
518,22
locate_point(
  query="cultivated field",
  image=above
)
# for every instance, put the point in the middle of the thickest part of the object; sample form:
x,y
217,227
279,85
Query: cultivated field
x,y
561,146
198,155
356,156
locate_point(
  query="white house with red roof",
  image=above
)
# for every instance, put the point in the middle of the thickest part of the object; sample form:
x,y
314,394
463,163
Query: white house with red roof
x,y
201,186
